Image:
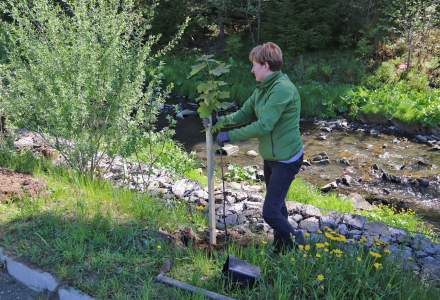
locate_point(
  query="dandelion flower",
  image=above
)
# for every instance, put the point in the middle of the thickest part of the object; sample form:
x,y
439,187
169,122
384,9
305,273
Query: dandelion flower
x,y
387,251
307,247
375,254
358,258
377,266
320,277
318,255
320,245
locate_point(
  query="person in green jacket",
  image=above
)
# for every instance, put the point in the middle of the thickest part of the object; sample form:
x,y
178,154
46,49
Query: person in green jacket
x,y
272,115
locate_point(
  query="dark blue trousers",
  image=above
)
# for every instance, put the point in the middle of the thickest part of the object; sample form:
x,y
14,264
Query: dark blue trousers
x,y
278,177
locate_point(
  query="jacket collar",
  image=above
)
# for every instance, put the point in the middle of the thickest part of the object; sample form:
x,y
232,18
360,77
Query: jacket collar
x,y
266,82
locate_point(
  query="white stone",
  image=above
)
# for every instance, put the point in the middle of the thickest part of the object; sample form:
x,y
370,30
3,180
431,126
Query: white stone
x,y
34,279
72,294
252,153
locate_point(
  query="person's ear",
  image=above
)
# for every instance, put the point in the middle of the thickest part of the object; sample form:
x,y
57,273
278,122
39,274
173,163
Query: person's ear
x,y
266,65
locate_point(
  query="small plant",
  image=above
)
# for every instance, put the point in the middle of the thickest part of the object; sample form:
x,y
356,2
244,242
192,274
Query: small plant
x,y
210,90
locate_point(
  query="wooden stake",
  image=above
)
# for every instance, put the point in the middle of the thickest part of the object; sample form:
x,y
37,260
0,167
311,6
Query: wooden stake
x,y
210,158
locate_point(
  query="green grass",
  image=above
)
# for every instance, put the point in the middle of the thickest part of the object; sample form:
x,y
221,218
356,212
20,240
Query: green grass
x,y
93,237
304,192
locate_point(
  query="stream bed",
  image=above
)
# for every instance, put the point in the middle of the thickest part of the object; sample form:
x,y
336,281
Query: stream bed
x,y
382,166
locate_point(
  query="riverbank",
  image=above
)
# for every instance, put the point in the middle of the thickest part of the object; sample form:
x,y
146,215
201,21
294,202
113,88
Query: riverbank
x,y
110,242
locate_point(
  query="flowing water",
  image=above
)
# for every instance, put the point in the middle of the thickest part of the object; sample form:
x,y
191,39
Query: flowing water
x,y
383,168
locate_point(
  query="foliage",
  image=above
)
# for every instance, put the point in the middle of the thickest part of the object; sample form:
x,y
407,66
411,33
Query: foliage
x,y
84,74
235,172
400,101
210,90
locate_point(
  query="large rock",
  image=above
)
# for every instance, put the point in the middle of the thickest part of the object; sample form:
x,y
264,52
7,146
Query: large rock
x,y
310,224
375,228
182,188
355,221
359,202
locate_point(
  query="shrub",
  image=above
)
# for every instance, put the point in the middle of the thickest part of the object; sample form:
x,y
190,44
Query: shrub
x,y
85,74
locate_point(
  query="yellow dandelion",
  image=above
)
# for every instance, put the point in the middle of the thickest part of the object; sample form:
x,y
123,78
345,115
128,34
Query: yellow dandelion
x,y
326,250
375,254
318,255
306,234
387,251
305,255
301,247
327,244
337,252
200,207
307,247
321,287
358,258
377,266
158,247
320,245
320,277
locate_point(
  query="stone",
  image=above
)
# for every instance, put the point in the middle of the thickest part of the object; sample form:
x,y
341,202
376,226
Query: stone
x,y
328,221
253,205
344,161
255,197
421,138
293,207
326,129
374,132
34,279
297,217
262,227
310,211
399,235
310,224
359,202
293,223
252,153
328,187
355,221
201,194
346,179
375,228
342,228
306,163
67,293
431,267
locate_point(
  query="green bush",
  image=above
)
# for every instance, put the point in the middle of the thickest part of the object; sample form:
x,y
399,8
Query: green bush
x,y
88,76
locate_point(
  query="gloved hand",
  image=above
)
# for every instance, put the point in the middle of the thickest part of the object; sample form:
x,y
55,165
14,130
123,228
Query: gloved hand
x,y
222,138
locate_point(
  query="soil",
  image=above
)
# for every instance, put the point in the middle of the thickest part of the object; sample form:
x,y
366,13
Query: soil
x,y
15,185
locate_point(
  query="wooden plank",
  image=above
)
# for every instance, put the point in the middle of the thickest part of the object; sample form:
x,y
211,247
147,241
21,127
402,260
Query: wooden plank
x,y
182,285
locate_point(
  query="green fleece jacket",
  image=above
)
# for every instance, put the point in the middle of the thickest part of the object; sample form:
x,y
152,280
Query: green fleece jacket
x,y
272,115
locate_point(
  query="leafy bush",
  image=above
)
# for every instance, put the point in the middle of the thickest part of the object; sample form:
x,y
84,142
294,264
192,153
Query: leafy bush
x,y
85,74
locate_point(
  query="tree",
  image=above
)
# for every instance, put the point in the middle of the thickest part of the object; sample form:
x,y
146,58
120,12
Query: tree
x,y
86,77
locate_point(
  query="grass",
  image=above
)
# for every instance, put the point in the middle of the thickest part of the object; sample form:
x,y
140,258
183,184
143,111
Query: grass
x,y
304,192
93,236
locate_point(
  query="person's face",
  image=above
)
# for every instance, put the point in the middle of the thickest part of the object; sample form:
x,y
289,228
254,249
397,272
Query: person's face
x,y
260,71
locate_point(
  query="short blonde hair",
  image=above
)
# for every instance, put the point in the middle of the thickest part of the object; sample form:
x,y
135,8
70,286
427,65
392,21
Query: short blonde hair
x,y
267,53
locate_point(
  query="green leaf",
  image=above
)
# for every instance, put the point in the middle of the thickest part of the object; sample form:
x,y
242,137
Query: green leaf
x,y
196,69
223,95
220,70
204,111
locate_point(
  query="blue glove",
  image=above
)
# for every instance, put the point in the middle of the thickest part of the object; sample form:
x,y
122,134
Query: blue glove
x,y
222,138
